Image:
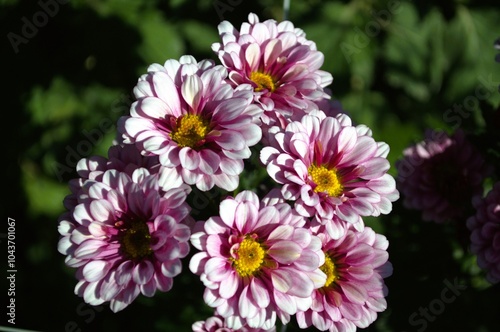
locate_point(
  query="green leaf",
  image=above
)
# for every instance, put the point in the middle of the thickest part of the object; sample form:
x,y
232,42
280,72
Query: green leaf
x,y
200,36
161,40
56,104
44,195
438,64
128,10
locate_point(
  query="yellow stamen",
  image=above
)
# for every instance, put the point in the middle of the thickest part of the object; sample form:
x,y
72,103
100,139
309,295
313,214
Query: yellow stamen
x,y
250,257
190,130
329,269
136,240
263,81
326,180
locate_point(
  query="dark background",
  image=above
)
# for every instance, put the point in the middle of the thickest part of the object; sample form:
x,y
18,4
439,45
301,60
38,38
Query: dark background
x,y
398,67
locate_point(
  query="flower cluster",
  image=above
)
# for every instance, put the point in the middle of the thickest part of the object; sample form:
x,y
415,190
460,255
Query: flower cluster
x,y
301,250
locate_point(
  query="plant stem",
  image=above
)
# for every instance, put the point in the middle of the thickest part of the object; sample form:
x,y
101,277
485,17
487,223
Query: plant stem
x,y
286,9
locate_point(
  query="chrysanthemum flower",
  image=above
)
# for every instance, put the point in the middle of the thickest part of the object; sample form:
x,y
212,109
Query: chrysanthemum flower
x,y
257,261
354,292
125,236
217,324
194,121
485,233
334,171
440,175
278,61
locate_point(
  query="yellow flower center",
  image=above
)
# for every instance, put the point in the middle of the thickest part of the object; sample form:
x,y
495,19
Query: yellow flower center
x,y
263,81
329,269
135,240
191,129
250,257
326,180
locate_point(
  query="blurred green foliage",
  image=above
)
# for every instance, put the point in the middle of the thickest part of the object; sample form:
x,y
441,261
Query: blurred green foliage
x,y
398,67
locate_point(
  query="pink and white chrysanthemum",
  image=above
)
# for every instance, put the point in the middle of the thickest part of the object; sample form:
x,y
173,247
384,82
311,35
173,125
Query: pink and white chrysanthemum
x,y
194,121
278,61
257,261
333,170
485,233
126,236
217,324
440,175
354,293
